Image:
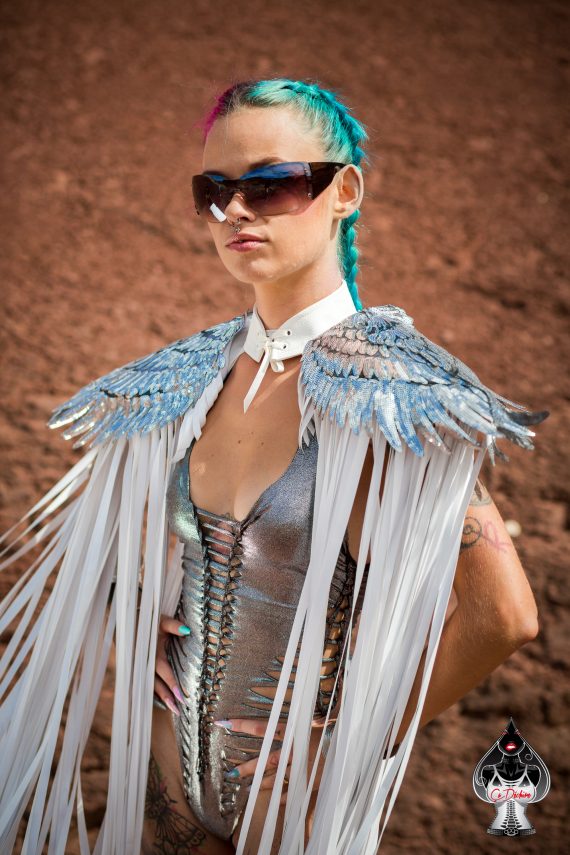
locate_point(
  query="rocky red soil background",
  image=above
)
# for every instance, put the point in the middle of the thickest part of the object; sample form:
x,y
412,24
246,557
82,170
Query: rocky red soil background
x,y
463,225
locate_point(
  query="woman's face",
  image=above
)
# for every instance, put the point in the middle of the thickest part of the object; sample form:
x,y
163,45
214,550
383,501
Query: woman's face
x,y
234,145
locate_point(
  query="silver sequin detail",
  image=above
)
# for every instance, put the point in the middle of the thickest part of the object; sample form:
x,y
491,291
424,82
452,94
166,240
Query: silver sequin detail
x,y
241,586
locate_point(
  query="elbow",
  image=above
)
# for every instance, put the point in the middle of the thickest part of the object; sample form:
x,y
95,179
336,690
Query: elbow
x,y
518,616
529,629
522,628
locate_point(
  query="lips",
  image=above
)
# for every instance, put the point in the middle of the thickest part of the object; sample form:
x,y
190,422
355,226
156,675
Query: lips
x,y
243,237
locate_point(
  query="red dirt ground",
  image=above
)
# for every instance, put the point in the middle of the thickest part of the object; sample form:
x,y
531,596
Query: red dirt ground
x,y
463,225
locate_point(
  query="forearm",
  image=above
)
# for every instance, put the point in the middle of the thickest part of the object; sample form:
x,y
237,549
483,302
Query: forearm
x,y
466,655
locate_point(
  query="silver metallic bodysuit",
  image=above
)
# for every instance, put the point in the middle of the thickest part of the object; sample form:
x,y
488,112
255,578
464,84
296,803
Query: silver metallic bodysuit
x,y
241,586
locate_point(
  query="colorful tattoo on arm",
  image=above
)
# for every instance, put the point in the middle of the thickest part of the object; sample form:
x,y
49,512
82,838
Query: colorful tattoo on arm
x,y
175,835
475,531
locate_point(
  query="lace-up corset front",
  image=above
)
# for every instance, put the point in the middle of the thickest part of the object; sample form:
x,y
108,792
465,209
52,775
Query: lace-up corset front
x,y
241,586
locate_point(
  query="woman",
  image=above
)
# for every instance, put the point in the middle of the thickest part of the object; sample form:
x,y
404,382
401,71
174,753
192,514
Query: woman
x,y
315,557
293,264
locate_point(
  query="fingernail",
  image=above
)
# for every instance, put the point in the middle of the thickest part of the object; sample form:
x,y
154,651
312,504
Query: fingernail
x,y
171,706
234,773
184,630
177,693
224,723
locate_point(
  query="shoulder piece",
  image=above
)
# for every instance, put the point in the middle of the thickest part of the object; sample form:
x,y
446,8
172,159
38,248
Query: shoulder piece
x,y
148,392
375,364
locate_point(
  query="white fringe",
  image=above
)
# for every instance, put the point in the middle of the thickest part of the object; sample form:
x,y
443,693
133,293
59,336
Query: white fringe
x,y
115,530
414,537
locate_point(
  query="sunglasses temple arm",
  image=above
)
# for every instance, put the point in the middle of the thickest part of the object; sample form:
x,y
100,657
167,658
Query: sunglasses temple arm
x,y
218,214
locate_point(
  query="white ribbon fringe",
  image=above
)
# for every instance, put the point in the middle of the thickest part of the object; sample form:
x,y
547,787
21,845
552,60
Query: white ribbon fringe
x,y
115,530
414,537
105,522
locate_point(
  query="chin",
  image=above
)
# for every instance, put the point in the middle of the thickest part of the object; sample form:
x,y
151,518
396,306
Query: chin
x,y
255,274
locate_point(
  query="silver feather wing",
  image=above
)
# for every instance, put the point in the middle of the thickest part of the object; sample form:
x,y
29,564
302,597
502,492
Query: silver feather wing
x,y
376,365
148,392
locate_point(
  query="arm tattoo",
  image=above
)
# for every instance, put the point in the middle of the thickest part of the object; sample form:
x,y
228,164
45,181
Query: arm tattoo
x,y
175,835
480,495
474,531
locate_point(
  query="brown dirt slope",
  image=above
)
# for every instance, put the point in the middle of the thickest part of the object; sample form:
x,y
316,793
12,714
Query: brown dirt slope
x,y
463,225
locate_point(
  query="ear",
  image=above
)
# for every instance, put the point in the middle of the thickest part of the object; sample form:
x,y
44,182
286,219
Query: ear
x,y
350,191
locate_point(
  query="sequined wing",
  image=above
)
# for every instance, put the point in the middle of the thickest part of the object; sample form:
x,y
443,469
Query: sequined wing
x,y
148,392
374,365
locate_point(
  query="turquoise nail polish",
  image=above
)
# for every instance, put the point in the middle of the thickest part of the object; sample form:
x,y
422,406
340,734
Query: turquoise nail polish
x,y
234,773
184,630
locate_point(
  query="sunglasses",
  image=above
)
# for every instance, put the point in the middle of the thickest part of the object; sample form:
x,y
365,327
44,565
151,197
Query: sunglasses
x,y
280,188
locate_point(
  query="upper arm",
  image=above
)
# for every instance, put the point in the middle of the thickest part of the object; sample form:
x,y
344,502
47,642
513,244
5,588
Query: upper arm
x,y
489,578
490,581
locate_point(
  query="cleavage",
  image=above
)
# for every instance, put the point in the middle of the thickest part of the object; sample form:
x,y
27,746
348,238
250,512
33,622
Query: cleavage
x,y
260,499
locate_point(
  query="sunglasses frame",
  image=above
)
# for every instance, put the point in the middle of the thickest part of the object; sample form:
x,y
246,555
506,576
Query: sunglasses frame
x,y
318,176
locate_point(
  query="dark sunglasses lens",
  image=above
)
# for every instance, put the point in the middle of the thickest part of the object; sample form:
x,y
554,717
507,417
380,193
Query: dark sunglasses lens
x,y
275,190
272,196
207,192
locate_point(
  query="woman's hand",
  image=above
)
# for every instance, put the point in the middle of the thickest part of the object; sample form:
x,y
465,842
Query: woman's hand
x,y
257,727
165,686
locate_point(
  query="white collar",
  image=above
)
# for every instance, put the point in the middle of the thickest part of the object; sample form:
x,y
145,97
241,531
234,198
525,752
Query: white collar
x,y
291,337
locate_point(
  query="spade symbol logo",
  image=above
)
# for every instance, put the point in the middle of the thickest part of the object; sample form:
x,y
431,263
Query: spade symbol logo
x,y
510,776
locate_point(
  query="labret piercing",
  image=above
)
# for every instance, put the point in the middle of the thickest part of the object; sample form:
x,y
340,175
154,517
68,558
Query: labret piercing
x,y
220,216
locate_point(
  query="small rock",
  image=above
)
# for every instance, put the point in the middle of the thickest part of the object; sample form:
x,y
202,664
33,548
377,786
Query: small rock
x,y
513,527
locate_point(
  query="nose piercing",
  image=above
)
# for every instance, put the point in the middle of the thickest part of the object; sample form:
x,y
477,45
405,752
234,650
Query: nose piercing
x,y
220,216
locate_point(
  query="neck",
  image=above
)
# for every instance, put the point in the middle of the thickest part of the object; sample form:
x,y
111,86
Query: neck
x,y
279,299
274,346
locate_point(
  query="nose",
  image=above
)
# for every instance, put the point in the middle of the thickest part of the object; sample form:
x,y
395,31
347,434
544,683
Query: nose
x,y
236,207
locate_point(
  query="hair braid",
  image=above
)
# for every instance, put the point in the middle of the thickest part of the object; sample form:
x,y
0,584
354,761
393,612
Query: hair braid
x,y
341,133
347,249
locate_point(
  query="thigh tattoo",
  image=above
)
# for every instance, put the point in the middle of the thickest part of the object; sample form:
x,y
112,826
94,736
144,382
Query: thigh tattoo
x,y
175,835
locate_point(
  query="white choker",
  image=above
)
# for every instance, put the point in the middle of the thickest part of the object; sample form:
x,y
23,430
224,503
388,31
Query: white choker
x,y
291,337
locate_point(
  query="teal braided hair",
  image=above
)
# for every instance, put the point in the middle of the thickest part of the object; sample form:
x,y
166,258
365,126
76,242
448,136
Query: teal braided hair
x,y
341,133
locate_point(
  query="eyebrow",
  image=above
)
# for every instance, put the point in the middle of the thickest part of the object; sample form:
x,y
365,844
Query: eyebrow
x,y
264,162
